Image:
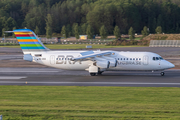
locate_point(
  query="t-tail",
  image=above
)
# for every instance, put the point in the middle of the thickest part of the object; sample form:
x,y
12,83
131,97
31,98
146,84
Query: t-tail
x,y
28,41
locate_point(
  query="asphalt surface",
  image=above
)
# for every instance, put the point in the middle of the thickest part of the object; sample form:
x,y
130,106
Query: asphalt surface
x,y
57,77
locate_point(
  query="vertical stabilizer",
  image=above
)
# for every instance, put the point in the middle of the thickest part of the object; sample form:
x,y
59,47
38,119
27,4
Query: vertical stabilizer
x,y
28,41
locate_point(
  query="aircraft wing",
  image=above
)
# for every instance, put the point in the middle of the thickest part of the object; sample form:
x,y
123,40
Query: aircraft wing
x,y
90,55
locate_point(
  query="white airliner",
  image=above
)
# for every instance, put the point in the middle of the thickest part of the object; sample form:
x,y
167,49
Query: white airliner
x,y
95,62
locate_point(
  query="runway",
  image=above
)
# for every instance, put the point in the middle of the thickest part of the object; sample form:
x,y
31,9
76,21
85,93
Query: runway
x,y
15,71
57,77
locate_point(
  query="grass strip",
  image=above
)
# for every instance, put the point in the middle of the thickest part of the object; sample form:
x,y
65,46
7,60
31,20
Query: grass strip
x,y
74,102
77,46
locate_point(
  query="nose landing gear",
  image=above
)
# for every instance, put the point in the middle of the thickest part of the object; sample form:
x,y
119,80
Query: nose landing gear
x,y
162,73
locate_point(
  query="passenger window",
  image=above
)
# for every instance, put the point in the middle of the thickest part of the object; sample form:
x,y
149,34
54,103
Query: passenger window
x,y
136,58
154,58
59,58
157,58
118,58
139,58
121,58
130,58
127,58
133,58
56,58
124,58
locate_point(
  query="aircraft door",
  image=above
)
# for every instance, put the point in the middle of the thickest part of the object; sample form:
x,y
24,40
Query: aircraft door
x,y
145,60
52,59
159,62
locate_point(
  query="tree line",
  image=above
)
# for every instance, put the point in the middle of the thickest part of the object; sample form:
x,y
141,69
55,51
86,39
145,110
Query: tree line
x,y
74,17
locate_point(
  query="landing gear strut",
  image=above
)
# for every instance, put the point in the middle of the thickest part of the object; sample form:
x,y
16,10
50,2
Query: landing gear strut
x,y
100,72
162,73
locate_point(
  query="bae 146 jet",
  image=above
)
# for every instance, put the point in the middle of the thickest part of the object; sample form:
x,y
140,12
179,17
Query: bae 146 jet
x,y
95,62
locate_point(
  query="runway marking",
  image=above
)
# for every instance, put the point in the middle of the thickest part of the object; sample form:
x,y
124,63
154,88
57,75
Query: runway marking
x,y
94,83
12,77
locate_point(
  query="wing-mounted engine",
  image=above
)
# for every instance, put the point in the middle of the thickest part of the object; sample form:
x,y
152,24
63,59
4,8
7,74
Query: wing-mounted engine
x,y
113,61
103,64
101,61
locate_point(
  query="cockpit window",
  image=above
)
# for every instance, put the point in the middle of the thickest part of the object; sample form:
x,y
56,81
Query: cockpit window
x,y
161,58
158,58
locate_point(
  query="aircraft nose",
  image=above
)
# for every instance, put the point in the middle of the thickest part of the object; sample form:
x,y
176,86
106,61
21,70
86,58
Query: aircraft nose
x,y
171,65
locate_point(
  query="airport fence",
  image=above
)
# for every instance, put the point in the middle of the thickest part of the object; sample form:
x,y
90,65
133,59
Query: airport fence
x,y
164,43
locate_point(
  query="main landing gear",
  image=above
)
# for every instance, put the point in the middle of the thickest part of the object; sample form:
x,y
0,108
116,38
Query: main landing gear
x,y
162,73
92,74
99,73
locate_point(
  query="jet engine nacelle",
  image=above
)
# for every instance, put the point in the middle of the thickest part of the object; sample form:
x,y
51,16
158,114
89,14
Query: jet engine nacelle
x,y
113,62
103,64
28,57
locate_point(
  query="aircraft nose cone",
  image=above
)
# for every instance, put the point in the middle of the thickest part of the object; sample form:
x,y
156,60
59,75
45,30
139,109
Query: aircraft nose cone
x,y
171,65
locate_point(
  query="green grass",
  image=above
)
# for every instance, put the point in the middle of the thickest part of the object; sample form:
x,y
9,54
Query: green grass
x,y
138,38
62,102
77,46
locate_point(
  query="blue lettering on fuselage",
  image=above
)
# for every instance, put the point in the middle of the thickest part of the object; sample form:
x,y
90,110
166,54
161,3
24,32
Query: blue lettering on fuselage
x,y
129,62
62,59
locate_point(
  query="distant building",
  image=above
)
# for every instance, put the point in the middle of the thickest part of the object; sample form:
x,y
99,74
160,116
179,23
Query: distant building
x,y
83,37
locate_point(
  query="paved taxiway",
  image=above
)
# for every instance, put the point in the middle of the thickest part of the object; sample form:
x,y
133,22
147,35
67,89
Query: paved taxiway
x,y
57,77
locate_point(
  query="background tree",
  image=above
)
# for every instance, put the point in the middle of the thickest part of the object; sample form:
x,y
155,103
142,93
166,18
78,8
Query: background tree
x,y
131,33
159,30
32,13
90,32
13,35
103,32
4,29
37,30
83,29
68,30
117,32
76,31
145,31
64,32
48,26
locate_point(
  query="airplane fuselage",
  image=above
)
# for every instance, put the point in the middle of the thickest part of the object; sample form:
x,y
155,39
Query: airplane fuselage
x,y
138,61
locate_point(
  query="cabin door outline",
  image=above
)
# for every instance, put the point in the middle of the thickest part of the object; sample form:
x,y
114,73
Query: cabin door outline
x,y
52,59
145,60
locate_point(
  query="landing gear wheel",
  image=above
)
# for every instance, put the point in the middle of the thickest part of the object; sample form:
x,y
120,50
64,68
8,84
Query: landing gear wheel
x,y
162,73
92,74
